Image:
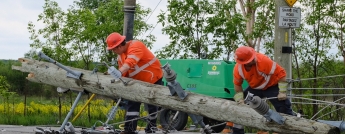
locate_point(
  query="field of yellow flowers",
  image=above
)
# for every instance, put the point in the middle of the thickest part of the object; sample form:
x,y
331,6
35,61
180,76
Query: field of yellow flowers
x,y
38,113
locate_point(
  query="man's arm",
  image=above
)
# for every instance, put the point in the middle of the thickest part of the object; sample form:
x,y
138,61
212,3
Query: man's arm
x,y
237,80
135,53
283,79
238,88
282,85
123,69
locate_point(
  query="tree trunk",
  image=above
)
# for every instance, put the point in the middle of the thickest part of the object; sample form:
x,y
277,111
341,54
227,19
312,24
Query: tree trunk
x,y
215,108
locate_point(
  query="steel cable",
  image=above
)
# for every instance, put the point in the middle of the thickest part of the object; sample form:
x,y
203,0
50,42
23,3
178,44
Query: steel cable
x,y
326,107
331,103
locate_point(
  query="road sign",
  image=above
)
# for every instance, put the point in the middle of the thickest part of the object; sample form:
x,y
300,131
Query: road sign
x,y
290,2
289,17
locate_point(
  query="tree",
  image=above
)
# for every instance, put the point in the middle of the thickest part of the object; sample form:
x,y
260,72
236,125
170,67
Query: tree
x,y
259,18
215,28
186,28
337,14
313,41
53,44
90,4
4,86
226,35
13,78
80,33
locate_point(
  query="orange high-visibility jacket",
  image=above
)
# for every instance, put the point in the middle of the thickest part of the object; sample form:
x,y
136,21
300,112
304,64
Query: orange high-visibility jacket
x,y
143,64
264,74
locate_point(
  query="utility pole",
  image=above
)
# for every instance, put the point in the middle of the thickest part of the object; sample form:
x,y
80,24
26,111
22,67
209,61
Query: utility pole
x,y
281,39
129,9
286,18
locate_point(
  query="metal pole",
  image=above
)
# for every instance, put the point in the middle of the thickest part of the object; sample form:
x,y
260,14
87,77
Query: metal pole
x,y
129,9
70,112
70,73
113,111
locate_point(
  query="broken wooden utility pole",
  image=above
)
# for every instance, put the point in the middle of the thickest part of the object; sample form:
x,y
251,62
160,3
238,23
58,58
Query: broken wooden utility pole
x,y
215,108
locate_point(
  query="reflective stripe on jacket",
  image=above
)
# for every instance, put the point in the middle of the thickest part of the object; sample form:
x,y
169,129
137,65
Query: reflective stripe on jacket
x,y
143,64
265,73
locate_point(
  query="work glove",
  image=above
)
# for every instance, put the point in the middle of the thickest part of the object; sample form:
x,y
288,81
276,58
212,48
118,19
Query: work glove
x,y
114,72
282,90
239,97
61,90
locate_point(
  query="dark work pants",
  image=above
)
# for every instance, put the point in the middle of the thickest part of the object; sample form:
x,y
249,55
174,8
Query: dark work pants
x,y
283,106
133,109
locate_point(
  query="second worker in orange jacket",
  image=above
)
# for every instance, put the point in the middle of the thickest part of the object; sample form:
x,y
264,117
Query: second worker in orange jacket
x,y
136,61
265,77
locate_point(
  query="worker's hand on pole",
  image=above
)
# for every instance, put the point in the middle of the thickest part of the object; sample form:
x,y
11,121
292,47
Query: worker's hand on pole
x,y
282,90
114,72
239,97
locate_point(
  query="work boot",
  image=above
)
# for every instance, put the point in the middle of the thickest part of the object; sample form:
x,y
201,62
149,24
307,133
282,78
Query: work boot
x,y
262,132
226,130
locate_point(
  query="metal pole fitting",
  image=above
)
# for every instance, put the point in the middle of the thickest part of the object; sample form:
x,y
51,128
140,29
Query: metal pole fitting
x,y
338,124
198,120
70,73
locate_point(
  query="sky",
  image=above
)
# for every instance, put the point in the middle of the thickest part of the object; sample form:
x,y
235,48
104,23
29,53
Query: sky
x,y
15,15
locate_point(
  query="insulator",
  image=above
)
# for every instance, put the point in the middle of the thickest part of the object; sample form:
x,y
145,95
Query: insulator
x,y
259,105
170,78
169,74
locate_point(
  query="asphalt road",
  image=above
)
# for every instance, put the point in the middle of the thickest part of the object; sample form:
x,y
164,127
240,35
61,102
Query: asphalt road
x,y
14,129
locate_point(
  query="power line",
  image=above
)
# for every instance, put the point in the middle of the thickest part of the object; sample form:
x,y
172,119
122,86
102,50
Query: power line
x,y
150,16
153,11
153,27
156,24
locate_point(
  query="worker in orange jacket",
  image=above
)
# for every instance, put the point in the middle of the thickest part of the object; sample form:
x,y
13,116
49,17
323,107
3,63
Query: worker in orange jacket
x,y
265,77
136,61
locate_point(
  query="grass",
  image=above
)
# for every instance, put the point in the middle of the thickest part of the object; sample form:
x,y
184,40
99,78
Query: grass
x,y
43,111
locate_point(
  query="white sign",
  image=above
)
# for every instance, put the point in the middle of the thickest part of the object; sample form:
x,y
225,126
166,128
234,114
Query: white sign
x,y
213,73
214,63
289,17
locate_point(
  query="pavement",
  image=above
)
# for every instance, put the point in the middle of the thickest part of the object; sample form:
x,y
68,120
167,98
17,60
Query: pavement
x,y
17,129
